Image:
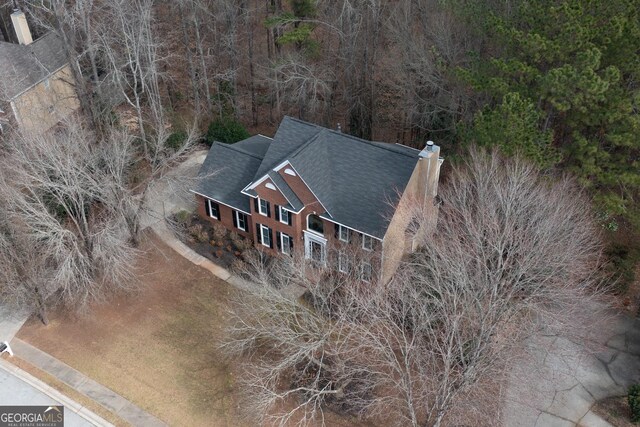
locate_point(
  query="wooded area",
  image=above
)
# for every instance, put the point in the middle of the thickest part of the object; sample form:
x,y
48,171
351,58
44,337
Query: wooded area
x,y
557,81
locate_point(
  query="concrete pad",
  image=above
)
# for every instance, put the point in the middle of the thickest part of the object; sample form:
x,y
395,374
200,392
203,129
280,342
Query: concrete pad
x,y
625,369
548,420
593,420
518,414
593,376
618,342
571,404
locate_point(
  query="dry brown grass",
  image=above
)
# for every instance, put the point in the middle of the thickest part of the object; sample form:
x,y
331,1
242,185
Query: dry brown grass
x,y
158,348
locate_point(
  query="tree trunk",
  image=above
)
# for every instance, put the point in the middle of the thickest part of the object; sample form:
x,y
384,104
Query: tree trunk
x,y
40,306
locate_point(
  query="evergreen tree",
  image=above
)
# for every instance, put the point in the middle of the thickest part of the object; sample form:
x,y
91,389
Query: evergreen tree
x,y
578,61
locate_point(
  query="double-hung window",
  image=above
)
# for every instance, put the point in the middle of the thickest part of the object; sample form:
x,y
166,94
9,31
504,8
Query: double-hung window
x,y
367,242
265,235
240,220
343,233
366,272
263,207
343,262
285,243
284,216
213,209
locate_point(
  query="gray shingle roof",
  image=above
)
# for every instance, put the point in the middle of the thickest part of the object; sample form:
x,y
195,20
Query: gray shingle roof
x,y
257,145
291,134
24,66
357,181
225,172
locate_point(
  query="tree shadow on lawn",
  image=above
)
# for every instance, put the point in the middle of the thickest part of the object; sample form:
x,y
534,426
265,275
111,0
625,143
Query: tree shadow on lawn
x,y
198,328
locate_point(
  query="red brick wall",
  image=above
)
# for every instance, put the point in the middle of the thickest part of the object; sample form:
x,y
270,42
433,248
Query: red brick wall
x,y
226,217
274,197
300,188
298,223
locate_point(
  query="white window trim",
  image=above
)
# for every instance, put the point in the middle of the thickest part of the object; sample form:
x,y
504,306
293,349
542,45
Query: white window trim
x,y
364,239
343,263
283,246
314,231
265,213
264,231
288,213
340,228
362,272
211,215
237,214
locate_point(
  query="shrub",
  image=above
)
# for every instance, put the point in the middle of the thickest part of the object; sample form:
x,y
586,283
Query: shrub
x,y
240,242
634,402
623,259
227,130
176,140
199,233
219,232
183,218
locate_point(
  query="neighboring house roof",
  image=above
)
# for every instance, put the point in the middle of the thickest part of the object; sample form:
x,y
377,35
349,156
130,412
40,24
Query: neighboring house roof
x,y
228,168
357,181
24,66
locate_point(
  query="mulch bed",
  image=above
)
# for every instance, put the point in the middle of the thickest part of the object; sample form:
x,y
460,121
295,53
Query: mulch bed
x,y
200,236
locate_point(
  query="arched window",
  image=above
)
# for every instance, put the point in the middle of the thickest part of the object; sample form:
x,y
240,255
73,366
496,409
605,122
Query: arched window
x,y
314,223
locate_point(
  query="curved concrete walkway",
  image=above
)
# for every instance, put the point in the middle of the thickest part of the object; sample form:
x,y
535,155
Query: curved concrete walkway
x,y
562,380
171,195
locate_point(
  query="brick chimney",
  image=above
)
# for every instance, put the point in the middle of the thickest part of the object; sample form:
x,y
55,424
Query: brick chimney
x,y
20,25
429,170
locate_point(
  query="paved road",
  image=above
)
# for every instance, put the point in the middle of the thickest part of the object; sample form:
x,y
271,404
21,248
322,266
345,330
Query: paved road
x,y
19,388
559,384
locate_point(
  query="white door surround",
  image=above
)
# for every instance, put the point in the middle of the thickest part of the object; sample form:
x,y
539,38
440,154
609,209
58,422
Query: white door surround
x,y
315,247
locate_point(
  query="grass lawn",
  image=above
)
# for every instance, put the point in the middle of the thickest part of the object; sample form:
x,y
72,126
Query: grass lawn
x,y
157,348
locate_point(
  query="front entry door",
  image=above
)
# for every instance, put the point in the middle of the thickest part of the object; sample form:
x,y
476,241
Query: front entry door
x,y
315,248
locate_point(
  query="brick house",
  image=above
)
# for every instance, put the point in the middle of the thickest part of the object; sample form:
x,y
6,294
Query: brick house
x,y
37,88
319,191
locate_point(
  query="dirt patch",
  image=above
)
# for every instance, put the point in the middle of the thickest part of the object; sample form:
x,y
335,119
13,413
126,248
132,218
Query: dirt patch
x,y
615,410
158,348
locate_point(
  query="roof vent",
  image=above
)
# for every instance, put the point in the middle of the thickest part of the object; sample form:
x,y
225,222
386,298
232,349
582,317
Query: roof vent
x,y
339,128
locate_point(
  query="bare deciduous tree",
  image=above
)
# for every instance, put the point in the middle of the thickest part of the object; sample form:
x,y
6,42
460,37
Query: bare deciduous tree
x,y
56,198
514,255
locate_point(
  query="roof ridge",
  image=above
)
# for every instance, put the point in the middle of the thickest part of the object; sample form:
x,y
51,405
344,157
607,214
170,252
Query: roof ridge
x,y
239,150
355,138
376,144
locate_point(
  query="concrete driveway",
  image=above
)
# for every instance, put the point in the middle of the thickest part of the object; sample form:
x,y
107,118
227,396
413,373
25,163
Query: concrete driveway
x,y
560,382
